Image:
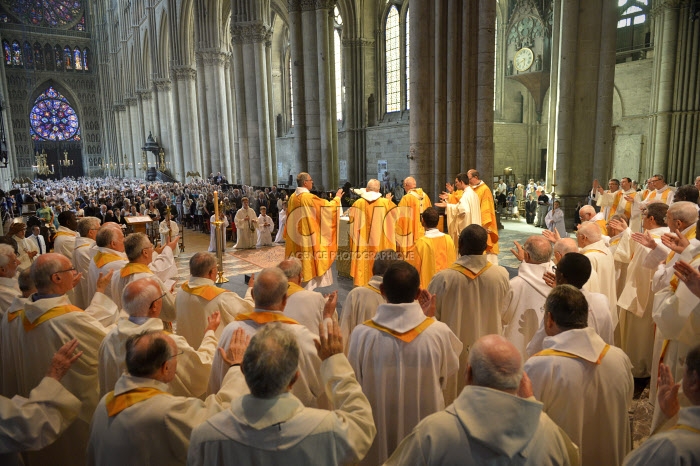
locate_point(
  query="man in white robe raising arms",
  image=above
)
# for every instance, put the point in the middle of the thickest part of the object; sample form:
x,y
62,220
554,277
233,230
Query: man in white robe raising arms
x,y
465,212
591,243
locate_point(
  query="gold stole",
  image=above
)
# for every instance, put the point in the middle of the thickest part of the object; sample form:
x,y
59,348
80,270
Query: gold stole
x,y
674,279
688,428
370,287
83,245
48,315
103,258
645,194
132,268
13,315
664,195
455,196
468,273
265,317
117,404
602,224
690,234
293,288
553,352
207,292
62,233
407,336
588,251
618,198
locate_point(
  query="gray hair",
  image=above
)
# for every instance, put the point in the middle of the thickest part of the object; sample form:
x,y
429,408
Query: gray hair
x,y
43,269
86,224
494,369
138,296
685,211
291,267
565,246
539,248
270,287
7,253
271,360
201,263
373,185
143,362
590,230
134,244
25,282
105,236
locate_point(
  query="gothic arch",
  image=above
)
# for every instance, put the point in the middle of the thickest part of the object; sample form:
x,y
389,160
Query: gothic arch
x,y
61,86
163,47
146,60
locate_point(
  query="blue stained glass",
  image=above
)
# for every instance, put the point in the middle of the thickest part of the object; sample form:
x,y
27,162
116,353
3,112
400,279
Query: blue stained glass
x,y
28,55
81,24
68,57
59,58
53,119
16,54
51,13
85,60
8,52
77,59
38,57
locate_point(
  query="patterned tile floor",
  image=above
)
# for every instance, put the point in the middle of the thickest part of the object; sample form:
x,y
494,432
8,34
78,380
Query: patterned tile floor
x,y
235,269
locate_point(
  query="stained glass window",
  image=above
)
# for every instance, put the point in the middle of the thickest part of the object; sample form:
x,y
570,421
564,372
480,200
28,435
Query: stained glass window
x,y
393,62
81,24
68,57
53,119
38,56
85,59
4,18
47,13
48,57
8,52
77,59
16,54
59,58
338,52
28,55
408,67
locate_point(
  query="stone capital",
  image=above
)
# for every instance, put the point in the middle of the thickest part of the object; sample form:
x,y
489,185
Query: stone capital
x,y
162,84
660,6
184,73
119,107
144,94
324,4
131,100
211,57
358,43
293,5
250,32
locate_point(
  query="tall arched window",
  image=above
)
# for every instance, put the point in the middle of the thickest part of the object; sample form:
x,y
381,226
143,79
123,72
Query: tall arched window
x,y
393,61
291,89
38,56
85,59
16,54
53,119
633,30
8,52
59,58
68,57
48,57
408,67
77,59
338,53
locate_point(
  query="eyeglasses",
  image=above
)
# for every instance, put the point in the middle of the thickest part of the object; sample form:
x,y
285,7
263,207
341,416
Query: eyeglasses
x,y
72,269
554,268
159,297
177,354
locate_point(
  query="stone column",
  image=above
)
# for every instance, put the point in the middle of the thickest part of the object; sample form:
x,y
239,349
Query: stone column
x,y
202,108
229,163
355,54
186,120
173,153
148,114
214,104
298,87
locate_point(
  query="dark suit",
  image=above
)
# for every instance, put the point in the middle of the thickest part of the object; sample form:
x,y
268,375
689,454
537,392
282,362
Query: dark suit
x,y
530,209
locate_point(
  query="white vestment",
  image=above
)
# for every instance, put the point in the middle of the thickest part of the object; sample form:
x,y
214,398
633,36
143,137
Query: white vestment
x,y
121,278
523,306
636,302
195,302
463,214
282,219
470,307
265,227
588,395
94,271
360,305
174,230
517,432
37,346
604,264
23,249
598,319
155,431
308,387
193,365
246,222
403,380
64,242
282,431
34,422
83,253
9,290
212,233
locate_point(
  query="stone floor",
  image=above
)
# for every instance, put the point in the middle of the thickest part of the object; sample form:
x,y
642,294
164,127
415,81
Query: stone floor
x,y
236,269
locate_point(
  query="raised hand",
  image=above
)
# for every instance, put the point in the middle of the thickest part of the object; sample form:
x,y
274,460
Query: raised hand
x,y
331,344
518,251
63,359
213,321
667,393
236,348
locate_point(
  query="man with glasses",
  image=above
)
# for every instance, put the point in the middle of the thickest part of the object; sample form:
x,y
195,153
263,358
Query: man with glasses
x,y
661,191
143,300
83,252
46,319
310,232
141,422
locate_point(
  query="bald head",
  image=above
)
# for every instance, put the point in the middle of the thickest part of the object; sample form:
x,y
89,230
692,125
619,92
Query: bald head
x,y
138,298
147,352
684,212
409,183
538,249
292,269
270,289
563,247
373,185
495,363
586,213
588,233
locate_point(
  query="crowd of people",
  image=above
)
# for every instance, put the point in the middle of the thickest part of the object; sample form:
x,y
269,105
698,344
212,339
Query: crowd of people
x,y
436,356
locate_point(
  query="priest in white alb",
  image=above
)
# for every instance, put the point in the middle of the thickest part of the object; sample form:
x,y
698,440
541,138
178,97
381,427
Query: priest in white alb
x,y
465,211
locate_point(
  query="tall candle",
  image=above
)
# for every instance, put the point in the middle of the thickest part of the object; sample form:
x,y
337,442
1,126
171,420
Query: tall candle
x,y
554,177
216,205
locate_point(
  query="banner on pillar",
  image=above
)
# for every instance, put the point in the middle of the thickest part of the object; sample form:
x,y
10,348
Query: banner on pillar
x,y
343,168
382,171
280,171
628,154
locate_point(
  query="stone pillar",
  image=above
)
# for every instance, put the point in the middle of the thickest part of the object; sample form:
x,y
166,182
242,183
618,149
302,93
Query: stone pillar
x,y
202,109
148,114
187,119
252,77
230,162
173,153
298,88
214,104
137,139
356,54
328,124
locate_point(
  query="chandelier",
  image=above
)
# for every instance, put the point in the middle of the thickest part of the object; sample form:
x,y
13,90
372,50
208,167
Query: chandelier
x,y
144,161
66,162
42,165
127,165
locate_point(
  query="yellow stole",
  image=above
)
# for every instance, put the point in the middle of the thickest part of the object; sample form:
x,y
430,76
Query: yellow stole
x,y
207,292
690,234
618,198
602,224
664,195
455,196
553,352
293,288
674,279
117,404
265,317
83,245
588,251
62,233
468,273
13,315
645,194
48,315
103,258
688,428
370,287
407,336
132,268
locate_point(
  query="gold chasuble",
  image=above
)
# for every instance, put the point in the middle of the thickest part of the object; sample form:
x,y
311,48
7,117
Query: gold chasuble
x,y
408,226
488,217
371,230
